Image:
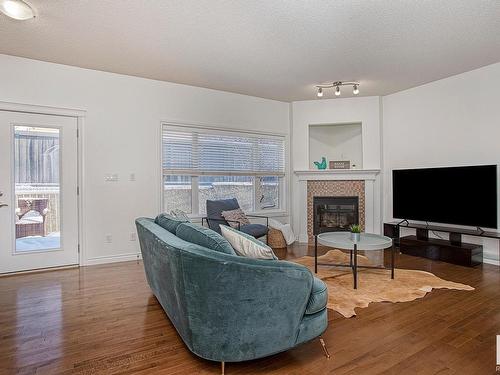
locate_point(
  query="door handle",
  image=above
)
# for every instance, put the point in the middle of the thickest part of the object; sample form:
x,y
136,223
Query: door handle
x,y
2,204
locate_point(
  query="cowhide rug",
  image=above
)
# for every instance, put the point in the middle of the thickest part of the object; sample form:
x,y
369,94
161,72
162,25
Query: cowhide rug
x,y
374,285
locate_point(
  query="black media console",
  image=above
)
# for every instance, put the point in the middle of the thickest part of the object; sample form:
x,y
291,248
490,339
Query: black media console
x,y
452,251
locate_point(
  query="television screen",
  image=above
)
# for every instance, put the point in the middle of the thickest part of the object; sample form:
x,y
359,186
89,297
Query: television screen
x,y
451,195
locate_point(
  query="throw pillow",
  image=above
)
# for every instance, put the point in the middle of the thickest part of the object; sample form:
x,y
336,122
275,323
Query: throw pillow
x,y
179,214
286,229
204,237
233,217
246,245
168,222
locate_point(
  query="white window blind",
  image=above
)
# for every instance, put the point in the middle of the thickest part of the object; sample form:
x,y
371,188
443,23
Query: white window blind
x,y
196,152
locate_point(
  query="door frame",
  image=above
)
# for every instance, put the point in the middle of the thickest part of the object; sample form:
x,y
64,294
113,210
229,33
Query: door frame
x,y
80,116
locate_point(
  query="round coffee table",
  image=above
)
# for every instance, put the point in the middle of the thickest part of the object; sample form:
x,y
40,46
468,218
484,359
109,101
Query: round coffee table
x,y
343,241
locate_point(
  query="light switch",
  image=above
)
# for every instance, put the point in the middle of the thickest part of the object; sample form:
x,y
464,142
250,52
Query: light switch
x,y
111,177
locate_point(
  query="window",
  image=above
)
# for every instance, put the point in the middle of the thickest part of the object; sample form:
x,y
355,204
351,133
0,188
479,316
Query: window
x,y
37,188
206,164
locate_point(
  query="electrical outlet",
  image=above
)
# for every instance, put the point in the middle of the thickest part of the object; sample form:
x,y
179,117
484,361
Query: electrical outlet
x,y
108,238
133,236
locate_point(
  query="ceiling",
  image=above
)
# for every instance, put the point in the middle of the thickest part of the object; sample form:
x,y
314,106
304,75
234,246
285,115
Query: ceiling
x,y
272,49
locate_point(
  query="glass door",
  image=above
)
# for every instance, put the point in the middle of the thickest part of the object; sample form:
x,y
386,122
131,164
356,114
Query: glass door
x,y
38,182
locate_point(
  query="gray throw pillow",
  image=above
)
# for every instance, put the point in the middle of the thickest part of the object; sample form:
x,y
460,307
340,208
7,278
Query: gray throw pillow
x,y
233,217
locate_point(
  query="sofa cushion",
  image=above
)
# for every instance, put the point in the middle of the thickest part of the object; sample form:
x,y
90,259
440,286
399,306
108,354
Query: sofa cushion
x,y
169,222
254,230
246,245
204,237
318,298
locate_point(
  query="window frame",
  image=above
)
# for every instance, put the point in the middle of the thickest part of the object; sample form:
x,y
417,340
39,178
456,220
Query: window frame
x,y
282,210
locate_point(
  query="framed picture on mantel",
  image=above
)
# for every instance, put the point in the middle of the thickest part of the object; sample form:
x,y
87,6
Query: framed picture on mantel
x,y
340,164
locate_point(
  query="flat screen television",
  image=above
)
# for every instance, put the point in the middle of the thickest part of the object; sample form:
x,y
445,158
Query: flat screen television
x,y
450,195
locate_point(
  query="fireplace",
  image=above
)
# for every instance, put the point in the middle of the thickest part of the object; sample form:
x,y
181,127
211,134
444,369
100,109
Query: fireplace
x,y
331,214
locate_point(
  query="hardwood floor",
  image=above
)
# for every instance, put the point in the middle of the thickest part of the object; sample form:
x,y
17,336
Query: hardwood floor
x,y
104,319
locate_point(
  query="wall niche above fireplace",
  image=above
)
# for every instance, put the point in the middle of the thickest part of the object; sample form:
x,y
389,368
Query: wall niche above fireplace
x,y
333,214
336,142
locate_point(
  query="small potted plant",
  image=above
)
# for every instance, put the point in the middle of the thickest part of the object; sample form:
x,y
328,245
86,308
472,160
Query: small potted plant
x,y
355,232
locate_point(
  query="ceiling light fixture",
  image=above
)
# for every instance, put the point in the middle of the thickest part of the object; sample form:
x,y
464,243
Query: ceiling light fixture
x,y
17,9
336,85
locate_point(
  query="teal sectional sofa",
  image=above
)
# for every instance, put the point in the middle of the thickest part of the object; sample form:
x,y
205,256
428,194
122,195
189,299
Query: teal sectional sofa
x,y
229,308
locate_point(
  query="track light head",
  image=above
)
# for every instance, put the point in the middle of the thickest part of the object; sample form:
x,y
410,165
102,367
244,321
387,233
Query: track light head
x,y
336,85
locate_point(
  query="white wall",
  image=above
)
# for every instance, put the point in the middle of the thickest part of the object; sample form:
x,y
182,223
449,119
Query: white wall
x,y
121,135
454,121
451,122
364,110
336,142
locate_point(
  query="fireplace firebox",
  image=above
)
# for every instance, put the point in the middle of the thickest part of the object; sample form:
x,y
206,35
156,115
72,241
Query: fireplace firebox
x,y
333,214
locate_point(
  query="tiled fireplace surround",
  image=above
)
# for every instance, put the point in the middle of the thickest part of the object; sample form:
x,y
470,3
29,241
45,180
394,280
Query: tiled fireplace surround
x,y
334,189
362,183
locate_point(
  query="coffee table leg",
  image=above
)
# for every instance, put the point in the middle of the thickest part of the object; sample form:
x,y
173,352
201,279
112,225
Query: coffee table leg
x,y
315,253
392,261
355,269
350,258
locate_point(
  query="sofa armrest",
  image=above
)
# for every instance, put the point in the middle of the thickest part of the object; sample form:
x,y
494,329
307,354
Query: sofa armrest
x,y
240,308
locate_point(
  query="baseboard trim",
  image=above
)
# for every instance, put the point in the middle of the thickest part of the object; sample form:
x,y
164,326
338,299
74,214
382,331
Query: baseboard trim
x,y
39,270
491,261
303,238
112,259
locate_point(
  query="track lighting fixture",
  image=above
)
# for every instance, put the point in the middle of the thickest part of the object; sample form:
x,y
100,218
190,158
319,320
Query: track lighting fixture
x,y
336,85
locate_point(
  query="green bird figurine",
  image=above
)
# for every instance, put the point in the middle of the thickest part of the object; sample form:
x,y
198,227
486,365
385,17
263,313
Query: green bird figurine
x,y
321,165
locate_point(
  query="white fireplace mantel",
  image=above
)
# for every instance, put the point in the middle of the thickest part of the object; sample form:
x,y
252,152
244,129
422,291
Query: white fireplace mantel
x,y
337,174
372,193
